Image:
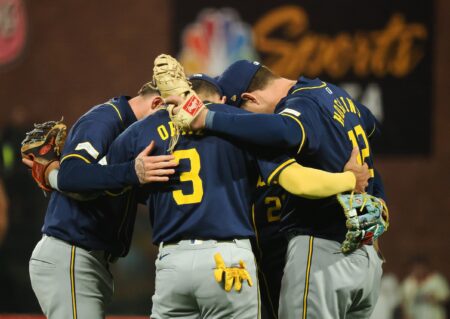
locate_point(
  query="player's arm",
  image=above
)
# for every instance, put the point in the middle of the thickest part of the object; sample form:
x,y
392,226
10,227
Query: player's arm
x,y
80,170
125,167
314,183
258,129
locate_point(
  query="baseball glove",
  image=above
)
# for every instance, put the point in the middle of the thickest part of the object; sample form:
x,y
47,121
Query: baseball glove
x,y
43,145
367,219
169,78
231,275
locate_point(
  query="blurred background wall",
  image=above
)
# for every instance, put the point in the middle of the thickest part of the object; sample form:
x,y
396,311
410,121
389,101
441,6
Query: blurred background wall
x,y
78,53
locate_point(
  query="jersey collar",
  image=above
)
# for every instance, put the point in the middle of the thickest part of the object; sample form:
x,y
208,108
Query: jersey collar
x,y
127,114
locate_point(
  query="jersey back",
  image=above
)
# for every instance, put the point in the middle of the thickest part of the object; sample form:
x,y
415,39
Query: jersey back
x,y
332,124
211,196
105,223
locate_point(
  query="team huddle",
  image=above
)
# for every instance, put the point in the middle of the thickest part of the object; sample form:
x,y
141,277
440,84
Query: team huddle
x,y
261,192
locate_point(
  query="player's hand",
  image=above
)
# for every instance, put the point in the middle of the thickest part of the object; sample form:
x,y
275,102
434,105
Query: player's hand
x,y
361,172
154,168
198,121
53,165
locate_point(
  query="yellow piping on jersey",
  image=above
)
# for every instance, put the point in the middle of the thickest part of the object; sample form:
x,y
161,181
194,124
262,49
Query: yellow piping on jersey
x,y
117,110
310,87
373,130
75,155
279,168
302,128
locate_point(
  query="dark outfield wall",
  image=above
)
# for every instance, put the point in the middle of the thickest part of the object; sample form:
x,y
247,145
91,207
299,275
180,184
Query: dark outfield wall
x,y
80,53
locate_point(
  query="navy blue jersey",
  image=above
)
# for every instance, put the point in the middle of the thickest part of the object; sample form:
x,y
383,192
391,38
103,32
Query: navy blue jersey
x,y
270,244
266,210
332,123
212,197
104,223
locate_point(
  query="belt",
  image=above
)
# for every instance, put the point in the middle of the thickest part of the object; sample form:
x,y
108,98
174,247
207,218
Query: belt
x,y
195,242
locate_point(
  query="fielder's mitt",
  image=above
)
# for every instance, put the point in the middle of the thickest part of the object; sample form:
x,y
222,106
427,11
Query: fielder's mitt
x,y
169,78
43,145
367,219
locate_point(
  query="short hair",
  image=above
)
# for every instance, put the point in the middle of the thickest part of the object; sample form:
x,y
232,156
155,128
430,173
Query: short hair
x,y
148,88
204,88
262,78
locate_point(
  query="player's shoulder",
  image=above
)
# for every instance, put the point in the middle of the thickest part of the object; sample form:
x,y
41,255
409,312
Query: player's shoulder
x,y
105,113
305,85
151,121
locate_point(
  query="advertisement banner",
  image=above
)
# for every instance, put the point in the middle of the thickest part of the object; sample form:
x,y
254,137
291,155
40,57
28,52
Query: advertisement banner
x,y
380,52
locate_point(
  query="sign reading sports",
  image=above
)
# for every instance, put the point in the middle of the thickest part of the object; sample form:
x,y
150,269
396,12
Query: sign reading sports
x,y
380,52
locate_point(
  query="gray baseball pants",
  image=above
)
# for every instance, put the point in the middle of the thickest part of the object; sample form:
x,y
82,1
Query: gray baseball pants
x,y
70,282
185,286
320,282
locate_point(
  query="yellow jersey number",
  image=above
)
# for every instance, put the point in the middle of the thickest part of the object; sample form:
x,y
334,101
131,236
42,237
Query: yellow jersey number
x,y
190,176
275,206
358,131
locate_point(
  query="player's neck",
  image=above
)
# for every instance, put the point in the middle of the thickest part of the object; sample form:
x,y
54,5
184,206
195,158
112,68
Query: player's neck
x,y
140,106
280,88
285,85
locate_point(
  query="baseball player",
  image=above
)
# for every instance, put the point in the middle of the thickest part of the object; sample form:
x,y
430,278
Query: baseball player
x,y
321,123
69,267
269,245
201,222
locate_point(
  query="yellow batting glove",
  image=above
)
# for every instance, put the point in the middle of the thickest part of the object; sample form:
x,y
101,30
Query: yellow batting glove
x,y
220,267
232,274
244,274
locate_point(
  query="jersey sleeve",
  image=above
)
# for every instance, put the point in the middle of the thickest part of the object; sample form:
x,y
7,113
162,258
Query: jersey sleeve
x,y
303,112
88,141
89,171
258,129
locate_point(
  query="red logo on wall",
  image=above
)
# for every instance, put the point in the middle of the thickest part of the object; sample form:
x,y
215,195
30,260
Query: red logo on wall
x,y
13,29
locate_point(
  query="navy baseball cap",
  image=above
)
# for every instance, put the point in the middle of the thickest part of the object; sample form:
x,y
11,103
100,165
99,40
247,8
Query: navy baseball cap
x,y
207,78
236,79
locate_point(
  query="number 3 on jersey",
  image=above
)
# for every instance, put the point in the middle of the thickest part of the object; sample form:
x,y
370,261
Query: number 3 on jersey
x,y
365,152
190,176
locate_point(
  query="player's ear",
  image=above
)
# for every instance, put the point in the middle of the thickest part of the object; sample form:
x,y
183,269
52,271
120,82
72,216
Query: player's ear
x,y
223,99
157,102
250,98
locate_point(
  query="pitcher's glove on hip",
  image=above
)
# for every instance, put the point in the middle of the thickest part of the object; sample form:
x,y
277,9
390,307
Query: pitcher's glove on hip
x,y
43,145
